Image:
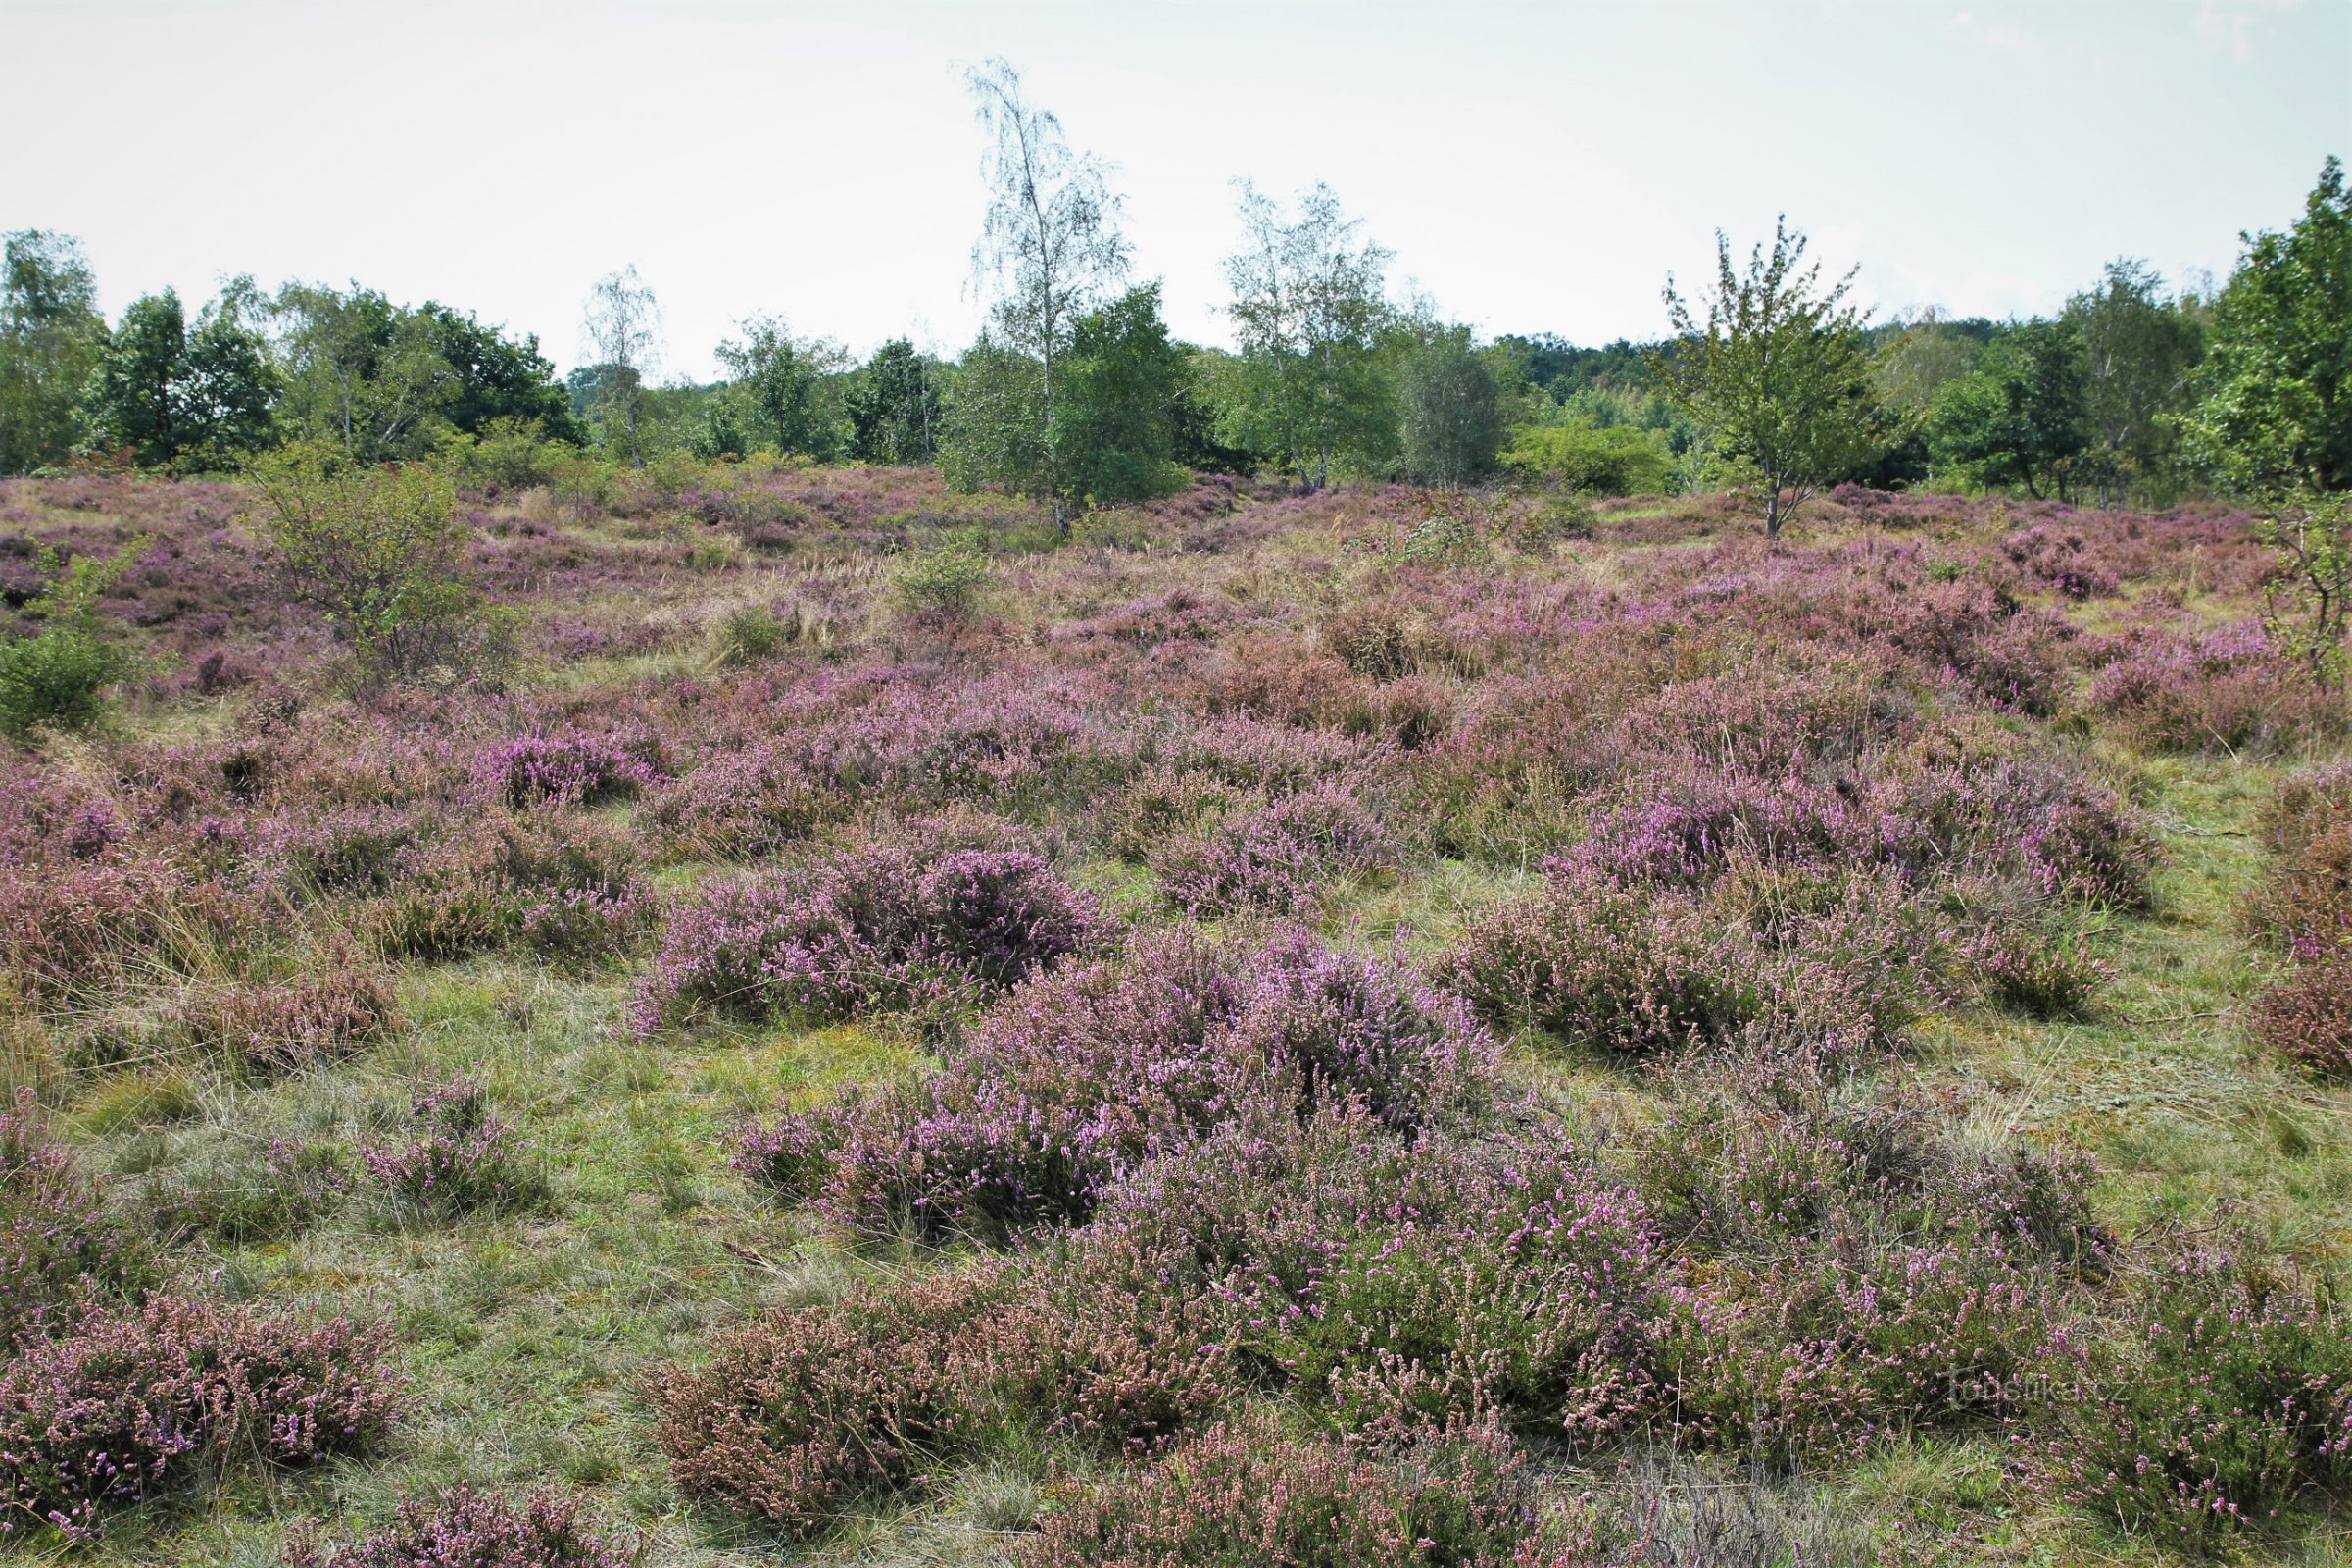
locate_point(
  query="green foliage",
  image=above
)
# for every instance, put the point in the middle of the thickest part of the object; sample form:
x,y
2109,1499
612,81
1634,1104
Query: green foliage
x,y
1619,461
375,549
893,409
2020,418
1051,240
945,580
507,454
1452,410
2276,389
51,338
1122,381
784,396
624,332
2137,350
386,382
2310,609
192,399
1777,374
1309,312
995,430
56,677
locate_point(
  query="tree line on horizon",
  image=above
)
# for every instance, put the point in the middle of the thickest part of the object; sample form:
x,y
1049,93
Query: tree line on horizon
x,y
1076,394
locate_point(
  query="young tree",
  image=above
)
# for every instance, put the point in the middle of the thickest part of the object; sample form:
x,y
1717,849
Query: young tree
x,y
51,339
1454,424
228,389
2020,416
1309,307
893,408
2275,393
498,377
1051,243
360,371
623,327
173,397
2137,350
991,432
375,549
133,403
1118,436
786,391
1778,372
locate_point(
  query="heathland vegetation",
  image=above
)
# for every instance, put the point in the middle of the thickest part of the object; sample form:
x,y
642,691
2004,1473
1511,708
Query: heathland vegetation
x,y
1365,948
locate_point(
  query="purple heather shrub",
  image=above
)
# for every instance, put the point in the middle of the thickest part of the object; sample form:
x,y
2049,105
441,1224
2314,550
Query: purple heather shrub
x,y
1847,1271
1252,1493
1080,1076
2226,690
453,1156
338,1005
2228,1403
58,1243
565,770
741,805
467,1529
569,886
1595,962
2306,1016
2059,558
800,1414
130,1403
880,927
2034,970
1279,857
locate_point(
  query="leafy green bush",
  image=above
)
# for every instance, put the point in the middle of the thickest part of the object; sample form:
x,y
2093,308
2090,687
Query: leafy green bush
x,y
377,550
56,677
1618,461
944,583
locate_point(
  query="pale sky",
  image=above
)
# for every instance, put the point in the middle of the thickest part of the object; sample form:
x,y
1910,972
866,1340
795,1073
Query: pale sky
x,y
1535,166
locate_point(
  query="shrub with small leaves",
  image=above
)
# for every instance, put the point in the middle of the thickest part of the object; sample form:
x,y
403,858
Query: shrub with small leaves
x,y
2029,968
800,1414
2229,1404
57,1242
1279,857
885,926
452,1156
467,1529
130,1403
2306,1016
1249,1494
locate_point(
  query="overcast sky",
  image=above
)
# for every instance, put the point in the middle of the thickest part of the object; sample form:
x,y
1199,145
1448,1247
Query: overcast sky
x,y
1535,166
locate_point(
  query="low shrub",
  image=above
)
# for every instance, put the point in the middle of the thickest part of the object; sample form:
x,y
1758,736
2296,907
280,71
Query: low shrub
x,y
58,1243
2232,1403
2306,1016
284,1025
1847,1271
741,805
130,1403
2305,899
467,1529
800,1414
1599,964
1083,1075
2035,970
1162,804
563,769
1249,1494
453,1156
568,885
1279,857
882,927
